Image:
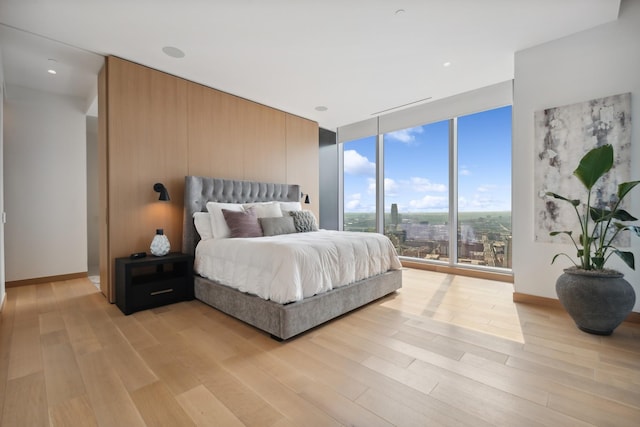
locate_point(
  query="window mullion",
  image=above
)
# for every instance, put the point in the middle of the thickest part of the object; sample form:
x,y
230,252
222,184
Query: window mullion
x,y
380,184
453,191
341,187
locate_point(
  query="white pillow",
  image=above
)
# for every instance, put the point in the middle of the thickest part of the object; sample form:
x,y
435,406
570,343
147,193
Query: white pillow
x,y
290,206
265,209
219,226
202,221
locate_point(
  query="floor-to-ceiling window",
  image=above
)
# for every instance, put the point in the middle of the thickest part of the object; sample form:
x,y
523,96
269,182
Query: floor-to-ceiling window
x,y
447,189
484,188
416,190
359,183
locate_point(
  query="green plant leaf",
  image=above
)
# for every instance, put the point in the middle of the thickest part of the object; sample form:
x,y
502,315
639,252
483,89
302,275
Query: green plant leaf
x,y
574,202
594,164
593,246
585,241
622,215
625,187
598,262
627,257
555,233
599,215
562,253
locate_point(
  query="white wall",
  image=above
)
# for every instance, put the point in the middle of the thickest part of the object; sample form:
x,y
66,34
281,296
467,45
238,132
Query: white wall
x,y
592,64
45,184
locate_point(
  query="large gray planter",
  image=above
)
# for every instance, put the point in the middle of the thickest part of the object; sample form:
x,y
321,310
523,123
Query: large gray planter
x,y
597,301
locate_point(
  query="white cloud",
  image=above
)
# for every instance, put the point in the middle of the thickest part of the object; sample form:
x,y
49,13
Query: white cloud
x,y
464,172
430,202
391,187
357,164
354,201
423,185
484,202
353,205
463,203
371,188
406,136
486,188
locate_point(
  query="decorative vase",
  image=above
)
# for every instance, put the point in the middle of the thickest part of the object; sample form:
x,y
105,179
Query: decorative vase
x,y
160,245
597,301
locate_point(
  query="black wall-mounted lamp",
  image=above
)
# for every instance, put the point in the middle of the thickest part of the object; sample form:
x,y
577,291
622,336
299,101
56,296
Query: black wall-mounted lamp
x,y
306,198
160,188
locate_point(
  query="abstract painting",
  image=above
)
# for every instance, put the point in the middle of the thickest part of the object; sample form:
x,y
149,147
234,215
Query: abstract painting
x,y
562,136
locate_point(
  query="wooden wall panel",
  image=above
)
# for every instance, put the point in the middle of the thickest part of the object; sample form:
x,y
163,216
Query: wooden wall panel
x,y
231,137
263,138
103,201
303,158
214,149
160,128
147,131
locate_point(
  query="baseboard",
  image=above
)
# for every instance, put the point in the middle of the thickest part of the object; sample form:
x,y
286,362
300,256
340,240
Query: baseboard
x,y
480,274
4,299
38,280
633,317
534,299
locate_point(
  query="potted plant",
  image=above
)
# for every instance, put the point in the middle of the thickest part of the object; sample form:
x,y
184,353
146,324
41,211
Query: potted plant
x,y
598,299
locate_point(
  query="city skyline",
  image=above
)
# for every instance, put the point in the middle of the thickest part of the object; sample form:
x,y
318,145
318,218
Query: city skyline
x,y
416,163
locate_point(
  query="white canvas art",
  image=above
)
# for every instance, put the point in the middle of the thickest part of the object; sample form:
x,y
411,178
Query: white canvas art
x,y
562,136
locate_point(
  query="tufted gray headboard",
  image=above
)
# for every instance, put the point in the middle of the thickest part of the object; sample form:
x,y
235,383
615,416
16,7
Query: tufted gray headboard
x,y
199,190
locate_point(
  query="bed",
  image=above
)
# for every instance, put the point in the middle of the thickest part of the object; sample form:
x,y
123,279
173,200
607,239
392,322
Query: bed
x,y
281,320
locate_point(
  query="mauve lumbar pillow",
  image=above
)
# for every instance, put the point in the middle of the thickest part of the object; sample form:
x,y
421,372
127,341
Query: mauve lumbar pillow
x,y
242,224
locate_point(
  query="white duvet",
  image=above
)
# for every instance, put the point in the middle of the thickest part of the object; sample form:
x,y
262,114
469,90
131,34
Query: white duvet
x,y
290,267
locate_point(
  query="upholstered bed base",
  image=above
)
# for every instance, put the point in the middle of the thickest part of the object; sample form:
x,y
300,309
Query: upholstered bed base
x,y
282,321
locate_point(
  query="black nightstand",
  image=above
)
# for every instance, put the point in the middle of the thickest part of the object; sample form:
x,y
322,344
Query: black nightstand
x,y
153,281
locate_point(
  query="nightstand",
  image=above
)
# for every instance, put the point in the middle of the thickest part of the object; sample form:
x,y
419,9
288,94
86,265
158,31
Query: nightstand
x,y
153,281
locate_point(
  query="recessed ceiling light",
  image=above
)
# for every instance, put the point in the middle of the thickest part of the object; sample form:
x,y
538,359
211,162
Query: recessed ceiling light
x,y
51,69
446,64
321,108
173,52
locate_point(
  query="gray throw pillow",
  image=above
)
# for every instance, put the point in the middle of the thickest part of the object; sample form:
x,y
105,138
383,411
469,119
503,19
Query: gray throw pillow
x,y
277,225
304,221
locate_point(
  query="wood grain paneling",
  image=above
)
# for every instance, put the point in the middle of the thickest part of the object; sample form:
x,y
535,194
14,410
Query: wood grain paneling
x,y
230,137
147,143
159,128
214,149
263,139
303,158
103,184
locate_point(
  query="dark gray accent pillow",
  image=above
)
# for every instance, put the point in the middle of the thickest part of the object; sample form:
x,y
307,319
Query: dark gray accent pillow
x,y
242,224
304,221
277,225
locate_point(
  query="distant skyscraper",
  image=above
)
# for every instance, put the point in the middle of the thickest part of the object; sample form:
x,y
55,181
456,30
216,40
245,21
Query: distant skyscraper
x,y
394,214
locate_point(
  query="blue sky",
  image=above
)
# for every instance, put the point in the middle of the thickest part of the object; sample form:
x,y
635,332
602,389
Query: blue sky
x,y
416,166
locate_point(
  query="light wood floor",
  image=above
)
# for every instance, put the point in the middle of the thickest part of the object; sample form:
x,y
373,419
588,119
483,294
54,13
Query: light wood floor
x,y
445,350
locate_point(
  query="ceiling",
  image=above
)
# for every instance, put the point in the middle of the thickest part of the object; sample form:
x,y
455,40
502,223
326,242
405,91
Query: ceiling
x,y
357,58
